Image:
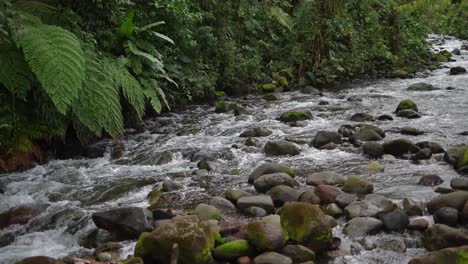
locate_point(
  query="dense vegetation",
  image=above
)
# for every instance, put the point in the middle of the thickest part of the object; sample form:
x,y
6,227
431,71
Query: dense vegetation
x,y
87,68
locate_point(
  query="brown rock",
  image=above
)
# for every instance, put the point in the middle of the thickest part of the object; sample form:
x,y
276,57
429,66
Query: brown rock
x,y
420,224
430,180
18,216
39,260
454,255
231,227
327,193
244,260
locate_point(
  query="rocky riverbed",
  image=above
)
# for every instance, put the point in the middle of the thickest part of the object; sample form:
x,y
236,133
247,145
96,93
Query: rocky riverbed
x,y
375,173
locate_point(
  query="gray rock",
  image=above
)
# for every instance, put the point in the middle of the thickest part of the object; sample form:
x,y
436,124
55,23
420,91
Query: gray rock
x,y
430,180
354,98
256,132
374,167
269,168
408,113
255,211
412,131
362,117
395,221
281,148
222,203
344,199
358,185
456,52
459,184
421,87
104,256
325,177
272,258
234,195
207,212
361,209
365,135
333,210
262,201
385,117
423,154
362,226
441,236
298,253
310,90
207,164
454,200
373,149
281,194
347,130
324,137
433,146
169,186
419,224
399,147
412,207
447,216
164,158
382,202
268,181
124,223
266,234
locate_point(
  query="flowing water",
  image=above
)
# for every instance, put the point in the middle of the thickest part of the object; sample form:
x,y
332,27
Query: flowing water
x,y
71,190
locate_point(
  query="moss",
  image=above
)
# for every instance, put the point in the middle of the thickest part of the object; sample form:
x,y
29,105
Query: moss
x,y
232,250
306,224
446,53
358,185
406,104
288,170
462,256
293,116
221,107
408,70
256,234
219,94
283,82
153,196
269,87
440,58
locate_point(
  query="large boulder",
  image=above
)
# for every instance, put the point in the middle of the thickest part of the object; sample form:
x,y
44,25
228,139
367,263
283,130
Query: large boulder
x,y
266,234
358,185
270,168
306,224
262,201
325,177
454,200
399,147
256,132
280,148
282,194
455,255
362,226
406,105
194,237
447,216
232,250
265,182
441,236
19,215
421,87
124,223
324,137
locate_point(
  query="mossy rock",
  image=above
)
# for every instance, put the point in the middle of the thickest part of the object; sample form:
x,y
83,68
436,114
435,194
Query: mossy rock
x,y
399,73
133,261
405,105
153,196
440,58
232,250
207,212
283,82
293,116
446,53
272,97
196,240
221,107
358,185
269,87
307,225
266,234
220,94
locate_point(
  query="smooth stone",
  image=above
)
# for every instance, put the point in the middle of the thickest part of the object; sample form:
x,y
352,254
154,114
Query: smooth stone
x,y
234,195
454,200
433,146
459,184
344,199
324,137
207,212
365,136
104,256
411,131
455,255
256,132
266,234
362,226
169,186
325,177
333,210
430,180
39,260
255,211
373,149
207,164
298,253
421,87
385,117
423,154
361,209
281,194
419,224
272,258
221,203
265,182
374,167
457,70
309,196
412,207
408,113
447,216
232,250
269,168
395,221
281,148
399,147
441,236
263,201
362,117
444,190
358,185
327,193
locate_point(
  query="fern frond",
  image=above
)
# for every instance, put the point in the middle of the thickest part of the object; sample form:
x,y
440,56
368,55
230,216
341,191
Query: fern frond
x,y
98,106
154,93
38,8
56,58
282,18
14,72
131,88
414,6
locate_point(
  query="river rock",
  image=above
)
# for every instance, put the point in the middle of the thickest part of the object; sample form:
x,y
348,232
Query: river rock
x,y
374,167
327,193
255,211
262,201
281,194
447,216
309,196
307,225
454,200
207,164
270,168
19,215
344,199
358,185
207,212
124,223
430,180
457,70
232,250
266,234
280,148
346,130
459,184
294,116
365,135
362,226
444,190
410,114
298,253
458,156
412,131
421,87
419,224
399,147
423,154
169,186
455,255
325,177
441,236
385,117
324,137
39,260
354,98
271,97
256,132
272,258
268,181
383,203
395,221
456,51
310,90
406,105
221,203
433,146
195,238
361,209
234,195
332,210
373,149
412,207
362,117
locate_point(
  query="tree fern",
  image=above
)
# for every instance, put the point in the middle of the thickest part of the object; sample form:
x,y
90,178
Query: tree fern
x,y
14,72
98,106
154,93
56,58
